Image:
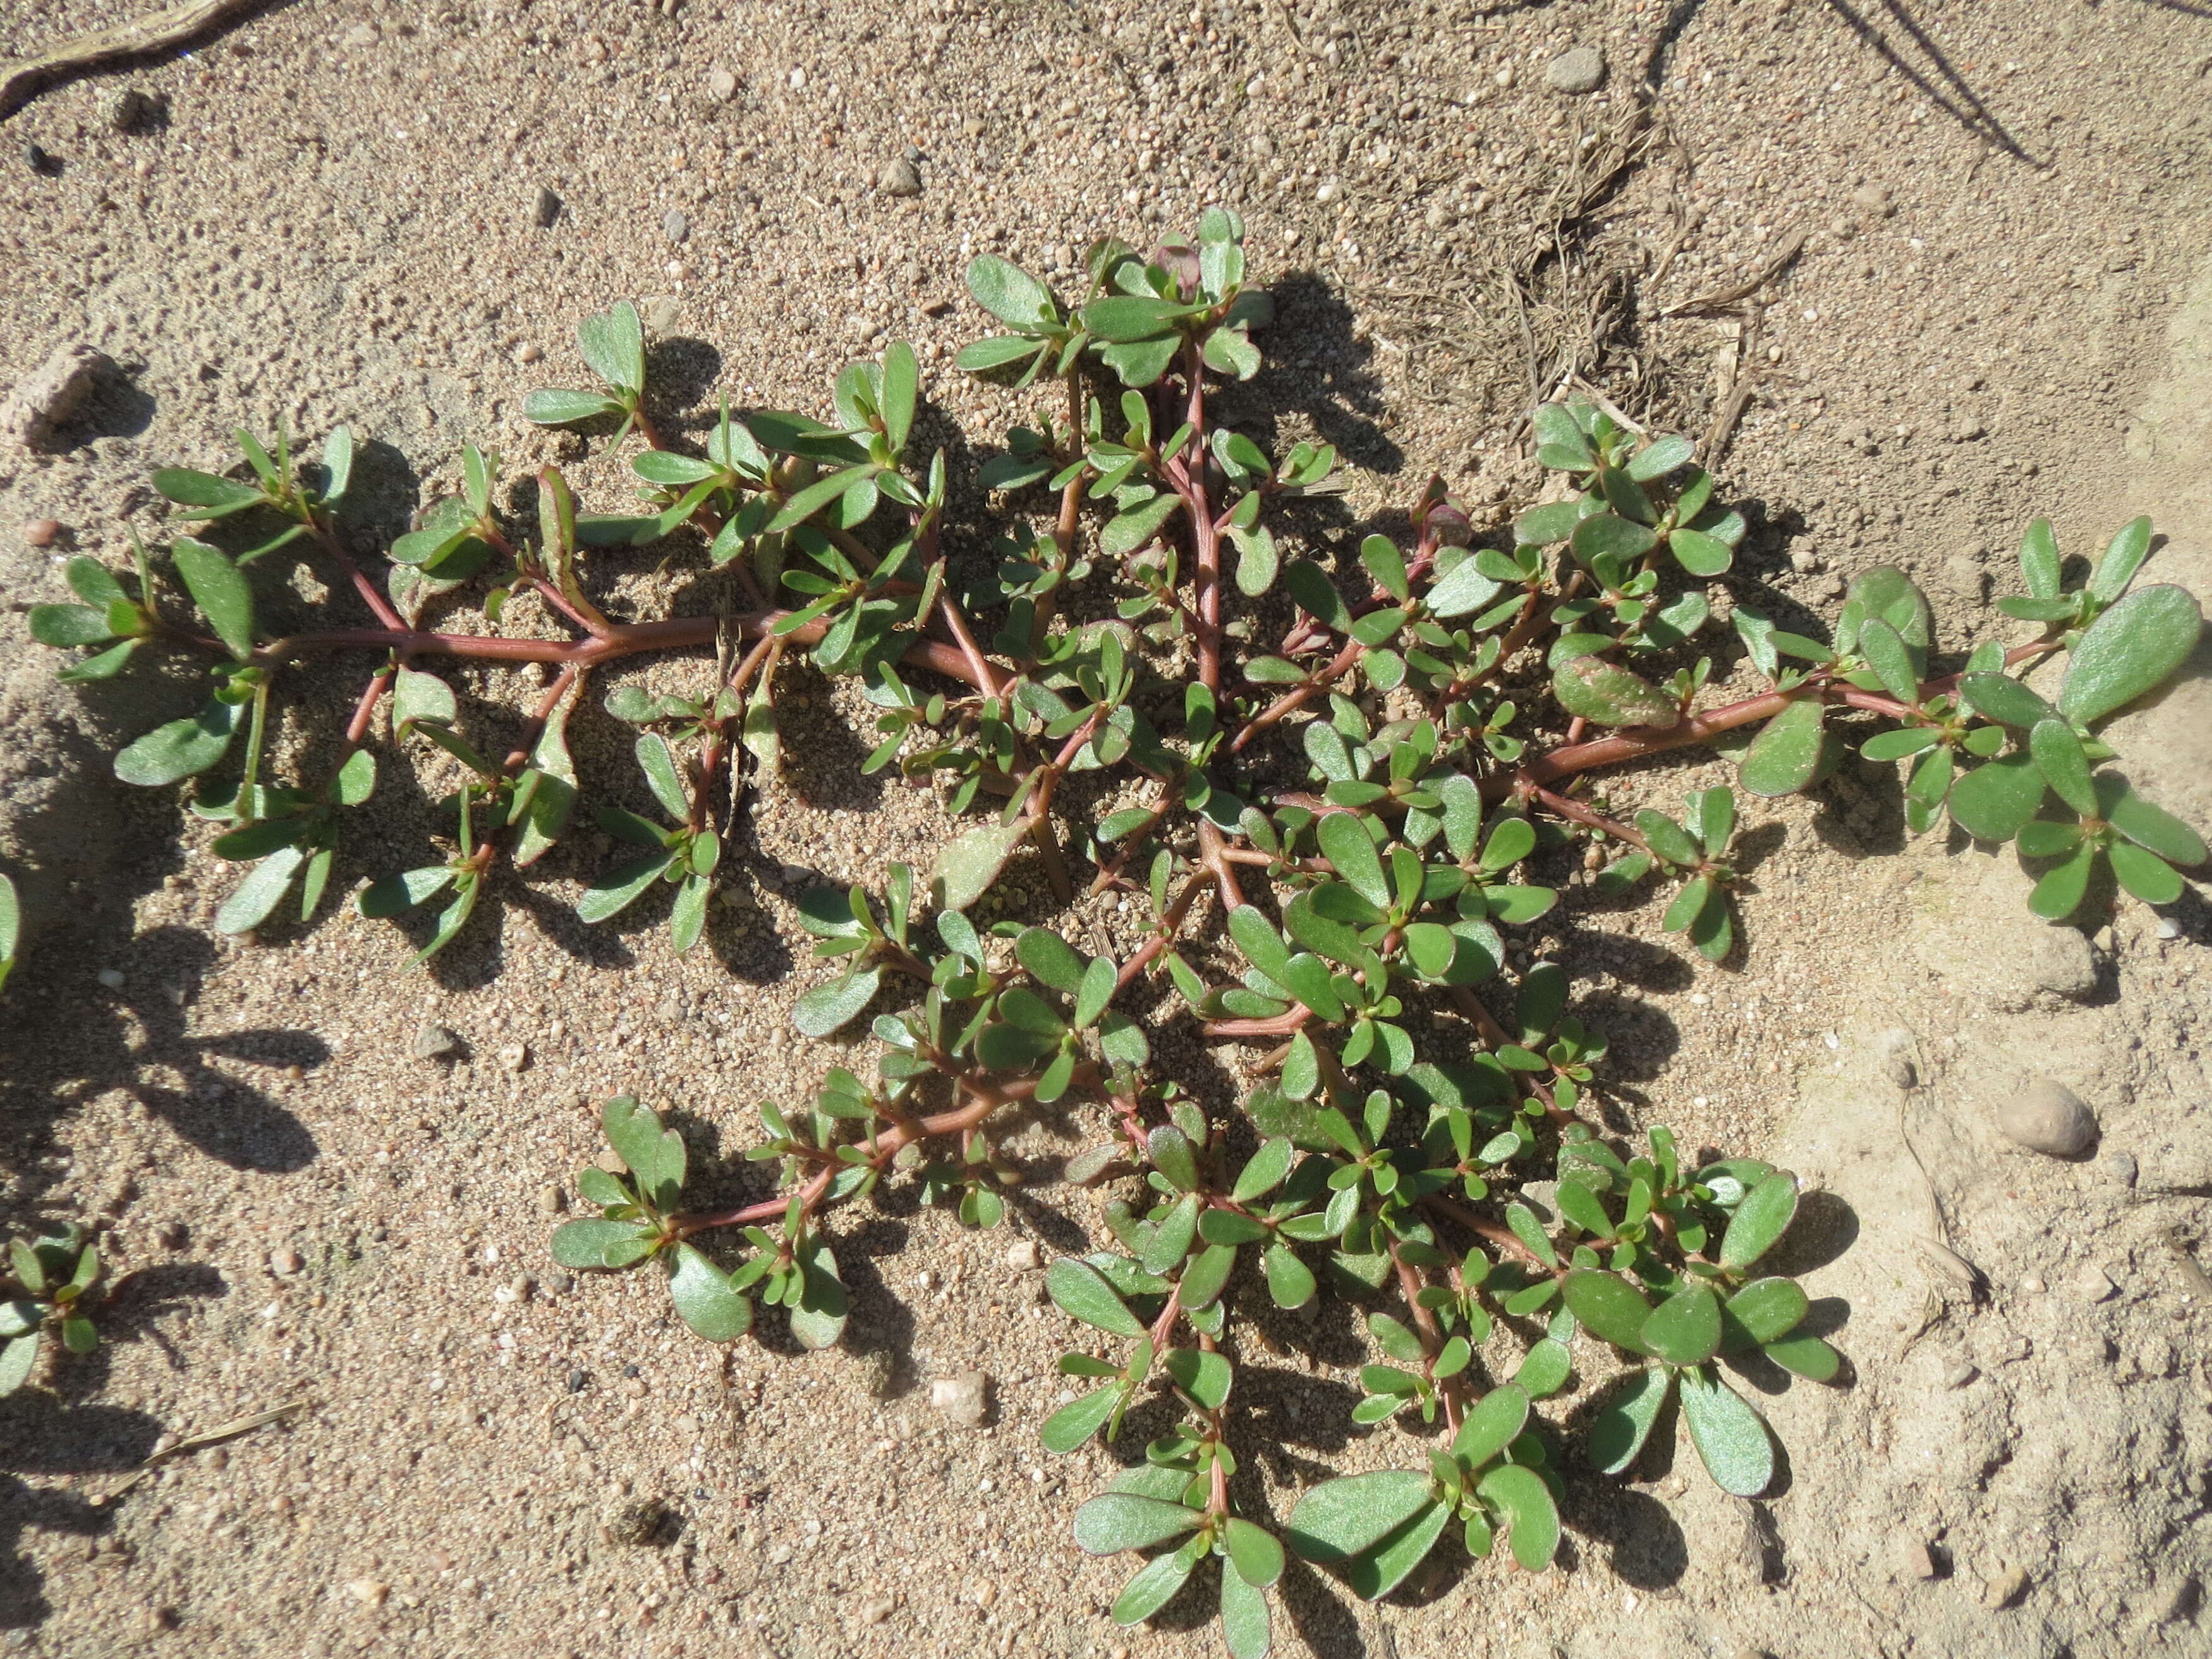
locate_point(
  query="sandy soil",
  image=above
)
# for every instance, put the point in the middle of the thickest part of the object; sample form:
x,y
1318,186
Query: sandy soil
x,y
2003,306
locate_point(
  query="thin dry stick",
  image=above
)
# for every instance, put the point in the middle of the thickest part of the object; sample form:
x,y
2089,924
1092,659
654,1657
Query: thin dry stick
x,y
160,31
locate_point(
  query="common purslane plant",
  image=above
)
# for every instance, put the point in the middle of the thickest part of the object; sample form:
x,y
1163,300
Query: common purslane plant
x,y
52,1284
1332,786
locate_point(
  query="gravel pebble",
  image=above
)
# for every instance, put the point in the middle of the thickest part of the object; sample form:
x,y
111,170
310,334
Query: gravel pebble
x,y
2002,1589
899,178
2050,1118
1575,72
2061,963
1023,1255
722,84
547,209
284,1263
111,978
638,1521
436,1043
963,1398
42,533
50,393
2121,1166
676,227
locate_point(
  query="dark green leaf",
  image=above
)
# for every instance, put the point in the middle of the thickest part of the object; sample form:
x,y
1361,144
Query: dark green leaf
x,y
1619,1431
2065,768
1520,1496
209,496
181,748
1685,1329
1759,1220
220,590
1609,1306
1076,1422
1996,800
1785,756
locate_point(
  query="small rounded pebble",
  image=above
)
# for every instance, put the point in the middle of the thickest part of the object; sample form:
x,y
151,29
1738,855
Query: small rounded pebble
x,y
2004,1588
42,533
1023,1255
111,978
369,1592
675,226
1575,72
2049,1118
2061,962
2121,1166
284,1262
547,209
963,1397
527,352
1960,1375
722,84
551,1200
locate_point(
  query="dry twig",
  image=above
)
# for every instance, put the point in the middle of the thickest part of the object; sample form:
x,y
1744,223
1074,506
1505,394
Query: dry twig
x,y
160,31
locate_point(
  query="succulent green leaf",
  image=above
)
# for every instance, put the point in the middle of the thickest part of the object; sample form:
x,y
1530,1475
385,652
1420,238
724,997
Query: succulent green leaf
x,y
1076,1422
1154,1586
1608,1305
264,889
1117,1521
1606,694
1759,1220
819,1319
705,1299
1619,1430
2129,650
967,866
17,1360
2146,825
827,1007
586,1244
1204,1376
1731,1438
1996,800
1767,1310
181,748
1290,1281
1080,1290
1492,1425
1685,1329
2065,768
1785,756
1343,1518
654,1155
1807,1357
1519,1494
613,343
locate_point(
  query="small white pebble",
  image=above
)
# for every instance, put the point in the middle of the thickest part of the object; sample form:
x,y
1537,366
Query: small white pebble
x,y
111,978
